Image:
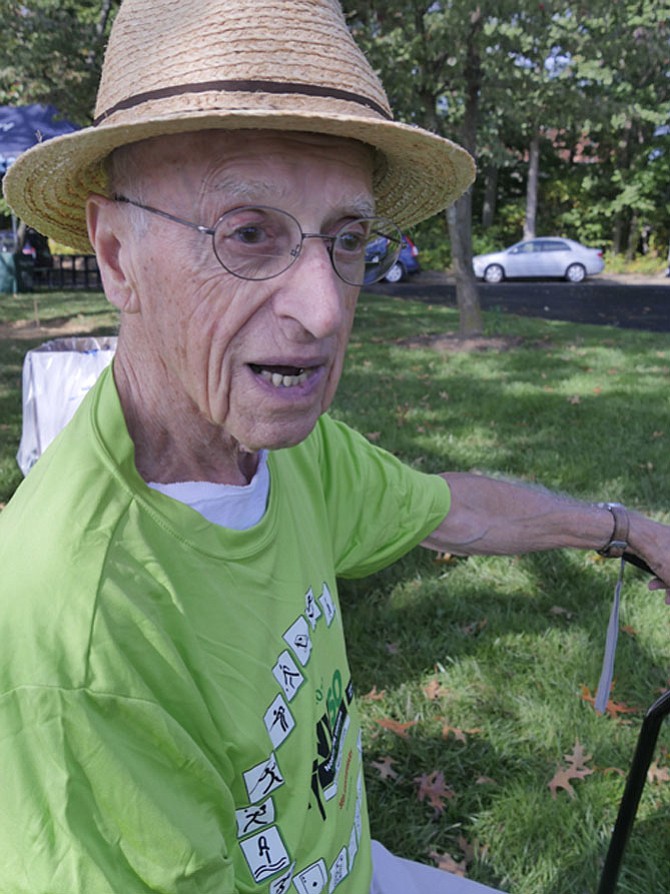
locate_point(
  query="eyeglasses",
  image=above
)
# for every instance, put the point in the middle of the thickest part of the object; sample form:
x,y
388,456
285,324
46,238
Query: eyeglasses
x,y
255,242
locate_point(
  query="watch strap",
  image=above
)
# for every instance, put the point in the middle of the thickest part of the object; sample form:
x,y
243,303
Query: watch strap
x,y
618,542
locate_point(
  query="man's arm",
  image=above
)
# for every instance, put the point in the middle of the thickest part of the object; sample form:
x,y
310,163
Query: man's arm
x,y
493,517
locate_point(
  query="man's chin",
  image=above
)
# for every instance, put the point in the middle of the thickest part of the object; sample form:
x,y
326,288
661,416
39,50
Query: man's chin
x,y
278,438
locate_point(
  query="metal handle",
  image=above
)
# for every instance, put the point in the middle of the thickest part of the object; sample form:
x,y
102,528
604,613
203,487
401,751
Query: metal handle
x,y
644,752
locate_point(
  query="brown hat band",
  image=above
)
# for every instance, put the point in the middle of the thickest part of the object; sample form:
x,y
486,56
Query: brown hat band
x,y
242,86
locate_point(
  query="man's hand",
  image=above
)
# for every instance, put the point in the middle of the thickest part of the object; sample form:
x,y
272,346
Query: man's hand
x,y
650,541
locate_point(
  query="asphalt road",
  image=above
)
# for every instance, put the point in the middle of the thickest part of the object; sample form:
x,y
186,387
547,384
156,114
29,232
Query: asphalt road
x,y
628,302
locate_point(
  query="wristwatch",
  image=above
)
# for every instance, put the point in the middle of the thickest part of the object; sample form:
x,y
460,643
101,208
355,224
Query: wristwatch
x,y
618,542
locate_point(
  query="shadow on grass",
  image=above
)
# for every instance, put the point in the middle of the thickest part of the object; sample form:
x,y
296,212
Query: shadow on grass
x,y
408,622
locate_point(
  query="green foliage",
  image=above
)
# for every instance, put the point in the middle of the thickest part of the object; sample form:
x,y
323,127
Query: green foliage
x,y
51,52
591,80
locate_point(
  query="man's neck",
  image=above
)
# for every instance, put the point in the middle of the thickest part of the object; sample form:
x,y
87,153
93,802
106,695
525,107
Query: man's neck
x,y
174,442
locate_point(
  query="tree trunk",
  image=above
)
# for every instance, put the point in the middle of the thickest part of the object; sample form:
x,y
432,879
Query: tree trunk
x,y
633,238
530,223
105,10
490,195
617,234
467,297
459,216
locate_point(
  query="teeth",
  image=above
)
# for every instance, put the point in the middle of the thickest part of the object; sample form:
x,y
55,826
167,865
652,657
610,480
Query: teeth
x,y
280,381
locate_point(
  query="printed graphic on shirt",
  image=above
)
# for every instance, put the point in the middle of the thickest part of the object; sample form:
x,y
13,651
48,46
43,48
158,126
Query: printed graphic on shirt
x,y
311,880
265,853
259,822
263,779
278,721
255,817
312,610
287,674
331,731
339,870
298,638
327,604
282,884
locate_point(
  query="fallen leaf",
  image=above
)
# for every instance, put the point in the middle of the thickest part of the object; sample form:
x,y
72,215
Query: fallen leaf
x,y
373,695
444,558
394,726
612,708
575,399
576,769
471,849
485,780
433,788
577,759
658,774
433,690
458,734
626,628
392,648
561,779
384,767
446,863
373,435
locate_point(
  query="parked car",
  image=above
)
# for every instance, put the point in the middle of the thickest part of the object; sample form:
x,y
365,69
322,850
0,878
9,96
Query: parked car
x,y
545,257
407,263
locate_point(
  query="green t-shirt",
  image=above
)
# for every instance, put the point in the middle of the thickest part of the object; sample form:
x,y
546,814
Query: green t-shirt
x,y
176,707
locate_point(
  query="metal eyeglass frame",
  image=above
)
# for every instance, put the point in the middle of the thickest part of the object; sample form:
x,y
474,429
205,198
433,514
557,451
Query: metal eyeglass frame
x,y
394,236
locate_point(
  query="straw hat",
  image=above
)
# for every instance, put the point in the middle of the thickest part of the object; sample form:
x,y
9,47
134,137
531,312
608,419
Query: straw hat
x,y
174,66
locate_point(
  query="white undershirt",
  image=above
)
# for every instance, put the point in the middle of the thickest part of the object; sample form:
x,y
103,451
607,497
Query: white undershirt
x,y
225,504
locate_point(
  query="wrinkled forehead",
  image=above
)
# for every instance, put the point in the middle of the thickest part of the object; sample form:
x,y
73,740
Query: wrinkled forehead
x,y
192,159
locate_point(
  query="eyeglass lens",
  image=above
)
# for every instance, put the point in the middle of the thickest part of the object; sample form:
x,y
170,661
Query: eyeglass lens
x,y
259,243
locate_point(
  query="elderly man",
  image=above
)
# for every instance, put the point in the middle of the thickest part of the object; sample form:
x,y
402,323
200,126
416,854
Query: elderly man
x,y
177,712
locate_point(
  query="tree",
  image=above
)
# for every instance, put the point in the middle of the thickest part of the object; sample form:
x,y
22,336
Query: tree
x,y
52,52
475,74
430,59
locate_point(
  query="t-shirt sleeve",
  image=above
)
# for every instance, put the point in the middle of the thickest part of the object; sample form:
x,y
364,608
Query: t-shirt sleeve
x,y
379,508
107,794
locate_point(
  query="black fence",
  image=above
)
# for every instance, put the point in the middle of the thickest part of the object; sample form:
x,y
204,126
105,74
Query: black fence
x,y
64,272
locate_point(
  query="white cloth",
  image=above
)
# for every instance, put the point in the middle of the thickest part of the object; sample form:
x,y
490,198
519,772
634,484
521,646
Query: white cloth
x,y
225,504
395,875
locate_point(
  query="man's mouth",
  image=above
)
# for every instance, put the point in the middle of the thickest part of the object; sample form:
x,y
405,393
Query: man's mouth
x,y
281,376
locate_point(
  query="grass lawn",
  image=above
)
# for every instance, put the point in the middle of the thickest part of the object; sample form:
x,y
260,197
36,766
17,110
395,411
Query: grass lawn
x,y
472,672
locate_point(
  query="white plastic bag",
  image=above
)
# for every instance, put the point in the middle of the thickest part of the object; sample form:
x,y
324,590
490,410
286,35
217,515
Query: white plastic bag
x,y
56,376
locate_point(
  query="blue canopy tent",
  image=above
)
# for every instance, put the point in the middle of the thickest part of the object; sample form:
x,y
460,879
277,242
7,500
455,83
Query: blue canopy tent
x,y
20,128
24,126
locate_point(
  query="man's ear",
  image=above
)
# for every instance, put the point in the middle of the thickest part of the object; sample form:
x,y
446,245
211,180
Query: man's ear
x,y
109,237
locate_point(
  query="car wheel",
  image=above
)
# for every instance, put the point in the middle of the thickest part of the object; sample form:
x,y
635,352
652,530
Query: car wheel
x,y
575,273
396,273
494,273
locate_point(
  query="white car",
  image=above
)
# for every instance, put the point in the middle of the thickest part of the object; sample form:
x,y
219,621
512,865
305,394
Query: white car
x,y
545,257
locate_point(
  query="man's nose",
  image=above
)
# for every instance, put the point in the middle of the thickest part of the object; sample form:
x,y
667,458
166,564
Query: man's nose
x,y
311,293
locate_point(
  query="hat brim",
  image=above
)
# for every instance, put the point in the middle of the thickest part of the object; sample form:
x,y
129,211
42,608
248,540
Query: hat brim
x,y
417,175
